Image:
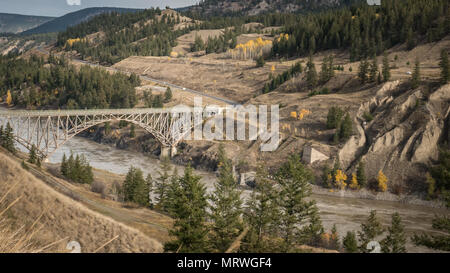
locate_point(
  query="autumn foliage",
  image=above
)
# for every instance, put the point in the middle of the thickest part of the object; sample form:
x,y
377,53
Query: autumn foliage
x,y
382,181
251,50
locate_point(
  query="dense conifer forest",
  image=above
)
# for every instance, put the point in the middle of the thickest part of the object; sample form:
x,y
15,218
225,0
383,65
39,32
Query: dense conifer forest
x,y
39,84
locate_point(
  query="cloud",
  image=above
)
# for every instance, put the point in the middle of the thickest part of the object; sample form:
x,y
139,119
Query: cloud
x,y
73,2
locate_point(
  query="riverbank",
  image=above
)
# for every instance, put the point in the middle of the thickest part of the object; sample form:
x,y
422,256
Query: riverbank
x,y
365,194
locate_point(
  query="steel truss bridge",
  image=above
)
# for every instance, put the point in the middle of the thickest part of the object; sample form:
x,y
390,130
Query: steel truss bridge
x,y
50,129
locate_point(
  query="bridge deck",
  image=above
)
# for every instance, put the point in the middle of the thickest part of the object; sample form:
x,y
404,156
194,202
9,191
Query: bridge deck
x,y
56,113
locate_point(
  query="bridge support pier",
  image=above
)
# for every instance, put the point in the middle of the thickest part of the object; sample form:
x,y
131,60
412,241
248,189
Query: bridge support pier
x,y
168,151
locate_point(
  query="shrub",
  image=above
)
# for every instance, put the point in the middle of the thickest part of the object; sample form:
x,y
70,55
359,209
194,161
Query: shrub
x,y
368,116
98,187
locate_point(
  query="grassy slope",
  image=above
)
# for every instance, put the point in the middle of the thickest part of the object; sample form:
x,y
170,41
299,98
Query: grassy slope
x,y
62,216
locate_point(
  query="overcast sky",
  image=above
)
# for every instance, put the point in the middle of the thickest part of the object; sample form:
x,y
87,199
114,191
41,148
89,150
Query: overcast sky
x,y
61,7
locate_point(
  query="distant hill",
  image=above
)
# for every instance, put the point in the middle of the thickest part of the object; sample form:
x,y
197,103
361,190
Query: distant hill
x,y
71,19
254,7
15,23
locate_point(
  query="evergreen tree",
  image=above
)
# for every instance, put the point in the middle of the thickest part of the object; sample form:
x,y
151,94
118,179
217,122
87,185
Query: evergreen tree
x,y
415,78
373,70
33,156
311,74
386,71
334,239
64,167
346,128
293,179
350,243
198,45
225,206
132,131
162,182
190,230
363,70
136,188
262,217
168,95
260,62
8,139
371,229
438,242
445,67
361,174
395,240
334,117
173,191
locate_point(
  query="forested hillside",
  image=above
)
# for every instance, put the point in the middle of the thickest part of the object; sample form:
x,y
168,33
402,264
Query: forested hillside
x,y
36,83
147,33
253,7
366,30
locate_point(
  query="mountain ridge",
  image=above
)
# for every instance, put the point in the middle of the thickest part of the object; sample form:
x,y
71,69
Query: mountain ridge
x,y
16,23
70,19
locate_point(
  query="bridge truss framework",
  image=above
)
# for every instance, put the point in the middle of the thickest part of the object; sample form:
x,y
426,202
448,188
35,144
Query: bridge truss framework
x,y
49,130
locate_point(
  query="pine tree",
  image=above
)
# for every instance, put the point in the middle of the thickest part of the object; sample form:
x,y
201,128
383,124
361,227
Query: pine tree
x,y
132,131
190,230
324,74
225,206
438,242
141,190
415,77
162,183
136,188
346,128
395,240
262,216
363,70
311,74
334,117
361,174
260,62
168,95
8,139
129,185
445,67
173,190
33,156
350,243
371,229
334,239
386,71
293,179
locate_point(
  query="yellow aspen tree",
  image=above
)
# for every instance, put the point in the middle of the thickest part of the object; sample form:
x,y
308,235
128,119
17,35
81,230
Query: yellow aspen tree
x,y
340,179
354,184
382,181
8,98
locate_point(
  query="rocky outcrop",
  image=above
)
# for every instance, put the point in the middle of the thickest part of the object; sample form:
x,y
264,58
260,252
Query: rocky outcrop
x,y
404,136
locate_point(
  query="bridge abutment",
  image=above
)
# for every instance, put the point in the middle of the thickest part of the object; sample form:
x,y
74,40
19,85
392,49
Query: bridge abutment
x,y
168,151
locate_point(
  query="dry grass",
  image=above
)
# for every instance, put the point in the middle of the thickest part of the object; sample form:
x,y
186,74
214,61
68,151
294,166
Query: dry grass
x,y
39,219
22,240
